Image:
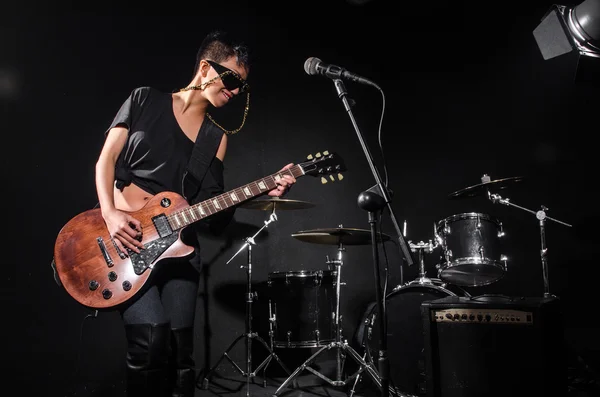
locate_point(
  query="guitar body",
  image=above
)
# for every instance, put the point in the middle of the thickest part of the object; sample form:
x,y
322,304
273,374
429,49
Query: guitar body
x,y
90,266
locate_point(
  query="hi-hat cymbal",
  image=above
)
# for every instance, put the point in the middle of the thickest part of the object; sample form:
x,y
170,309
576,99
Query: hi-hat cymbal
x,y
337,236
277,204
482,188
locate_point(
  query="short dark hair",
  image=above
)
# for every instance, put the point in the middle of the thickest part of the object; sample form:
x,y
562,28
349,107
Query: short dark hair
x,y
218,46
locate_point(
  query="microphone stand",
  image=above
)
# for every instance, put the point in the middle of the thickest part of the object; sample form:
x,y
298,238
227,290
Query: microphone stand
x,y
374,200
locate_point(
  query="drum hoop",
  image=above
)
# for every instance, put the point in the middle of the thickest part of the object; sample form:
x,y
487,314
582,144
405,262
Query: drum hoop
x,y
473,260
301,273
405,287
467,215
315,277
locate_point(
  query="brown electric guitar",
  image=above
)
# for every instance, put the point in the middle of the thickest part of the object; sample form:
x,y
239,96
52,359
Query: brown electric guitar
x,y
98,275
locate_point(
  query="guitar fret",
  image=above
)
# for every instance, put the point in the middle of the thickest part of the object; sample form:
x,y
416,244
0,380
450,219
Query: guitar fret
x,y
258,191
223,199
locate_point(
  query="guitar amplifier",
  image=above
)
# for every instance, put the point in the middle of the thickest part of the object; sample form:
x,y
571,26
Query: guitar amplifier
x,y
494,346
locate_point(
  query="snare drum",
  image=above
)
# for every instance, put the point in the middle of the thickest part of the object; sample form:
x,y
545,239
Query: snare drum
x,y
471,249
303,306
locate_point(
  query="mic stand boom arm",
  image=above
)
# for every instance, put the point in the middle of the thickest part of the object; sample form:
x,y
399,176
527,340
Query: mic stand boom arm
x,y
380,190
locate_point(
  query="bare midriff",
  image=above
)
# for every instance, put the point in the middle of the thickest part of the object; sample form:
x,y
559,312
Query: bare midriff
x,y
132,198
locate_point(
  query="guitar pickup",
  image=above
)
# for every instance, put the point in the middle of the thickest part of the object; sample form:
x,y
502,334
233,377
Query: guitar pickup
x,y
105,254
161,223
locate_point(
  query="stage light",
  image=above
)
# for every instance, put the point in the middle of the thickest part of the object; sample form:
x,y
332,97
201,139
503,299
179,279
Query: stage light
x,y
571,28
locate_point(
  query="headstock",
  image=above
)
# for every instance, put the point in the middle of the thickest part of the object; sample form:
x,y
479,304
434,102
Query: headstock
x,y
329,166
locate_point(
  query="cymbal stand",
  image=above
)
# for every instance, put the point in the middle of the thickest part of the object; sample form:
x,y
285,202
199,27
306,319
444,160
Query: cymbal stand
x,y
541,217
341,347
248,335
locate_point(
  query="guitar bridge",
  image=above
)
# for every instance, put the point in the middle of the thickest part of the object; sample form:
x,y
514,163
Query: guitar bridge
x,y
105,254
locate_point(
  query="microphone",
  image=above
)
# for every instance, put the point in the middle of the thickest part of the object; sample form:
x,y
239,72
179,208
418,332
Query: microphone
x,y
314,66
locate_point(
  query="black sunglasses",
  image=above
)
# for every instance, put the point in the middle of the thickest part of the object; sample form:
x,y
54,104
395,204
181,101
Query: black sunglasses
x,y
231,80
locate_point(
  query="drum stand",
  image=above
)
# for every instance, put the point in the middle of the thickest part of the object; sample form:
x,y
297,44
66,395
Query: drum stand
x,y
422,247
541,216
341,347
249,335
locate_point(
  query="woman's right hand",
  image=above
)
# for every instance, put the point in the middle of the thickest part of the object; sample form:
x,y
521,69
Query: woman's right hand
x,y
125,230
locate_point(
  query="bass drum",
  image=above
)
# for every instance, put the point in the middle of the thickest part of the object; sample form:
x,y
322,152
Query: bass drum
x,y
405,340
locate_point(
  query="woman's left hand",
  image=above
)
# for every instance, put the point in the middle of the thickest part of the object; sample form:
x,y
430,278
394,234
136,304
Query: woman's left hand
x,y
284,183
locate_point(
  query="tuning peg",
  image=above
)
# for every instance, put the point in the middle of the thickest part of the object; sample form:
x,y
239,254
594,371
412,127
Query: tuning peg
x,y
323,180
332,178
309,157
326,153
340,177
318,155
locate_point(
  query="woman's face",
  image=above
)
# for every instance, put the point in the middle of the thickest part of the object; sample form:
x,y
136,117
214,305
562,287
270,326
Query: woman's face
x,y
221,90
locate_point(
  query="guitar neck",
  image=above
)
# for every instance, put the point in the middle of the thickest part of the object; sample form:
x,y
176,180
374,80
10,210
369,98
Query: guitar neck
x,y
214,205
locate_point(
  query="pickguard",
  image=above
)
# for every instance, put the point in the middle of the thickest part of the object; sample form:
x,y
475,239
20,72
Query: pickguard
x,y
150,253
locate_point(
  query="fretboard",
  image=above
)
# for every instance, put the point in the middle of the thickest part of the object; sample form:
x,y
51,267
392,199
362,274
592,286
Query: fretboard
x,y
206,208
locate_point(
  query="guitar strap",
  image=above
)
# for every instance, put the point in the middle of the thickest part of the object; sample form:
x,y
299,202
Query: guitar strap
x,y
205,147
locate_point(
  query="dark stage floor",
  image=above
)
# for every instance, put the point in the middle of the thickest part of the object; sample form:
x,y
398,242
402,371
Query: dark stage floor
x,y
583,380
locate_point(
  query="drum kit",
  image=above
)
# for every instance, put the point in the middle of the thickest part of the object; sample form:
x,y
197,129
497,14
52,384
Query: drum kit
x,y
304,306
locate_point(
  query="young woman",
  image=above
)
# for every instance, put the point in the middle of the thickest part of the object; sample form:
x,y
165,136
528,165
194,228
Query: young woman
x,y
169,142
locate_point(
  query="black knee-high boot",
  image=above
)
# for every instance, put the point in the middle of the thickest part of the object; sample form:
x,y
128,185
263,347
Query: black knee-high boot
x,y
182,362
147,359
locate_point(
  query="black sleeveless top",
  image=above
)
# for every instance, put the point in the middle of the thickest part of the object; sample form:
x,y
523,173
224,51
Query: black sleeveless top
x,y
157,151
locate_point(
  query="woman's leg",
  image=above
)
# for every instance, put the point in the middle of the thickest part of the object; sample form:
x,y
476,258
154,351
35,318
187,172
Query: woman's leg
x,y
179,296
147,330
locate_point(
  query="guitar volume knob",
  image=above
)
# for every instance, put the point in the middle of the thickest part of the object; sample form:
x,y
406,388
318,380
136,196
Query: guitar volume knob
x,y
126,285
107,294
93,285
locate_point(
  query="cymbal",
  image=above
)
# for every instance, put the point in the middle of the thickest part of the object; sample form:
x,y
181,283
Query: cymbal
x,y
336,236
482,188
277,204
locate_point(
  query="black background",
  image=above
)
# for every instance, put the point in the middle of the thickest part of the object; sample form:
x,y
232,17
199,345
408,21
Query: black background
x,y
467,93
